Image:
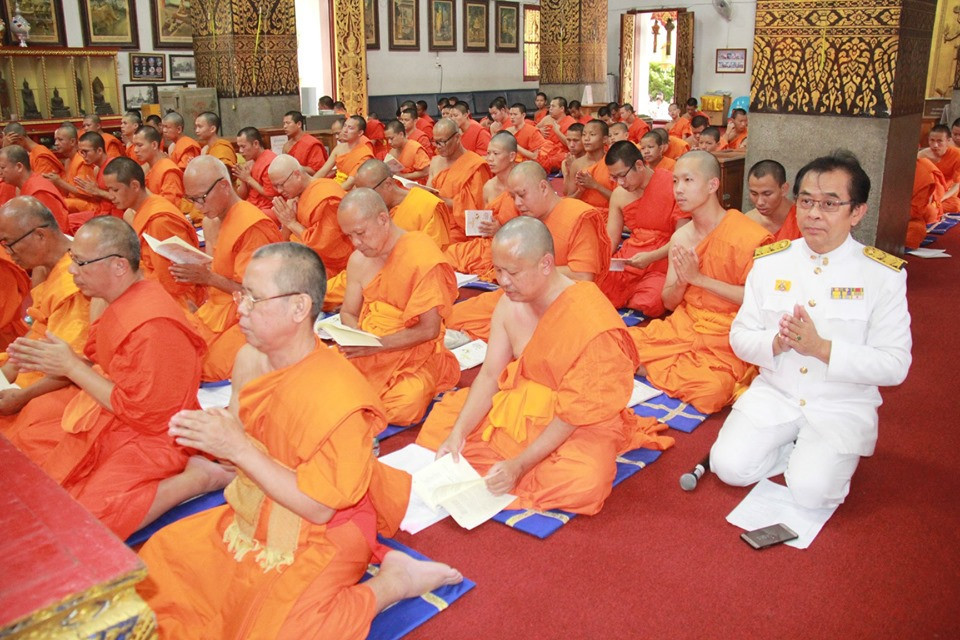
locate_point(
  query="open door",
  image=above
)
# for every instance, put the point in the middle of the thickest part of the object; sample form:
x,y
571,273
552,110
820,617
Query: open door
x,y
656,57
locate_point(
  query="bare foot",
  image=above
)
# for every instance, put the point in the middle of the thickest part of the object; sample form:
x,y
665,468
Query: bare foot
x,y
401,577
208,475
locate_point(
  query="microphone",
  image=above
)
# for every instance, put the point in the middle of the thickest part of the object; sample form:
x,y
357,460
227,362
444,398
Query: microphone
x,y
688,481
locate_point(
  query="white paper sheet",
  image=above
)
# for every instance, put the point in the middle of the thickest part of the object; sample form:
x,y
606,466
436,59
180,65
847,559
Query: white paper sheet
x,y
214,397
177,251
770,503
411,459
453,339
333,329
924,252
4,385
471,354
473,218
410,184
618,264
641,393
460,490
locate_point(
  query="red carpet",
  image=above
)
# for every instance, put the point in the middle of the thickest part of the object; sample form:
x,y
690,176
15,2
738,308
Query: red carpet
x,y
658,562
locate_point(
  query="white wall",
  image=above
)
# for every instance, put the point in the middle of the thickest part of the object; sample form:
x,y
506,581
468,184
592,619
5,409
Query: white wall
x,y
710,32
395,72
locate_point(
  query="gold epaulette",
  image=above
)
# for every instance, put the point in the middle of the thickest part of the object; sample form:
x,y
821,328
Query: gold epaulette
x,y
884,258
770,249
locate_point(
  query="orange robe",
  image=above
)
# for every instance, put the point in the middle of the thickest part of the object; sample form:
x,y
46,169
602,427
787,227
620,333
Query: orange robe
x,y
540,115
652,218
317,212
111,461
348,163
463,183
580,243
789,230
736,143
425,123
7,191
475,138
637,130
42,160
184,150
681,128
426,141
688,354
223,151
414,157
47,193
113,145
101,207
665,163
299,576
166,179
132,153
259,174
243,230
530,138
475,255
160,219
77,168
579,340
676,148
949,166
551,154
15,289
309,152
414,280
375,136
601,174
926,205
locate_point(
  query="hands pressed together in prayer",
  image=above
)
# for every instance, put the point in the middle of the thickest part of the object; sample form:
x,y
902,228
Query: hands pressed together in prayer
x,y
286,210
216,432
686,264
488,228
799,333
585,180
50,356
88,186
242,171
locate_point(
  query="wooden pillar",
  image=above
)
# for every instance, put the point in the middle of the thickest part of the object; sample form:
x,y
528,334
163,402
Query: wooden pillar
x,y
573,47
350,55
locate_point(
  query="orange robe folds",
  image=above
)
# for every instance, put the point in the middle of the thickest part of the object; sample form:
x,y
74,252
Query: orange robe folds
x,y
926,205
413,157
77,168
14,289
530,138
665,163
184,150
348,163
111,461
637,130
113,146
243,230
426,141
42,161
47,193
579,340
789,230
736,143
101,206
681,128
166,179
475,255
425,123
317,212
949,166
540,115
688,354
222,150
463,183
475,138
259,174
580,243
676,148
652,218
309,152
551,154
414,280
286,575
160,219
601,174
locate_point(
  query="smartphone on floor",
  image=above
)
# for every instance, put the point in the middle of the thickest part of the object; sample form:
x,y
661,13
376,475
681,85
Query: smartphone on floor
x,y
769,536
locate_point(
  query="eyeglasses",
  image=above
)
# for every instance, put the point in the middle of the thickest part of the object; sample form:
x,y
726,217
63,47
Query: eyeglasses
x,y
9,245
199,200
440,143
826,206
625,173
377,186
243,299
83,263
279,185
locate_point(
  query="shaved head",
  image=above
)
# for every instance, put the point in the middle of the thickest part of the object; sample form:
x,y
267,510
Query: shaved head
x,y
15,128
505,140
445,127
701,162
68,130
301,270
284,164
125,170
372,174
207,168
529,171
16,155
363,203
174,118
26,212
525,238
114,236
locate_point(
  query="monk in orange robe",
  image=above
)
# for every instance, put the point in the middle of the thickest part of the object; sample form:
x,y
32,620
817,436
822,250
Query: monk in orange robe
x,y
243,230
474,254
309,497
400,288
554,128
773,210
643,203
926,203
697,126
540,102
65,147
56,304
947,159
688,354
636,127
41,159
15,171
408,118
473,137
576,112
110,448
308,211
206,127
529,138
735,136
589,179
94,153
652,148
184,148
424,121
129,124
164,178
253,178
679,125
152,215
111,144
349,154
581,246
459,176
407,158
535,421
306,149
15,286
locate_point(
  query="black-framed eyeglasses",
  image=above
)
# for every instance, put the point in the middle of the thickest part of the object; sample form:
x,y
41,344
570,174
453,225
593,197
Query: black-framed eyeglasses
x,y
279,185
625,173
440,143
9,245
828,205
377,186
199,200
243,299
83,263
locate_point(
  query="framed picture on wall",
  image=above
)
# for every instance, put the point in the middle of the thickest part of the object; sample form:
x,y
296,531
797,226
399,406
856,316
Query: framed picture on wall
x,y
476,25
45,18
403,22
109,23
442,25
172,28
137,95
507,19
731,60
149,67
182,68
371,24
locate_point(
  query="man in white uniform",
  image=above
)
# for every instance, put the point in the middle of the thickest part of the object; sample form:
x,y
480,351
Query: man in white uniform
x,y
826,320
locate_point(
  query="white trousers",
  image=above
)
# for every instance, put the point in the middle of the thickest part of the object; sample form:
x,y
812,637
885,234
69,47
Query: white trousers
x,y
748,449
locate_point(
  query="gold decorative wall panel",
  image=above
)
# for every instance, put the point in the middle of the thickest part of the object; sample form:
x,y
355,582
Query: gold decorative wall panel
x,y
573,41
840,57
628,27
683,81
246,47
593,41
350,56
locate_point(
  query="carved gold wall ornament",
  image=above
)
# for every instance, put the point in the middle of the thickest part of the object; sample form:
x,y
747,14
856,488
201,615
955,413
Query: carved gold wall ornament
x,y
350,58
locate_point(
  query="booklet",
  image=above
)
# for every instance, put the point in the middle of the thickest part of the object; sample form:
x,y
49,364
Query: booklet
x,y
474,217
410,184
465,278
471,354
177,251
332,329
393,164
458,488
